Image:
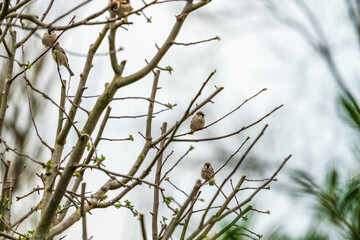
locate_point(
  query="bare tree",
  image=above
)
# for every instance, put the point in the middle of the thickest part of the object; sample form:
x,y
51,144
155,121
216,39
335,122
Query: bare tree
x,y
62,204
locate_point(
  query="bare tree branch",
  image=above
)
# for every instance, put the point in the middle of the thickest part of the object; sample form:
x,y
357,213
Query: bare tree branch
x,y
83,213
155,211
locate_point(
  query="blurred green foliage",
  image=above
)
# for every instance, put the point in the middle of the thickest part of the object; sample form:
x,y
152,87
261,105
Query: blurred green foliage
x,y
337,201
240,231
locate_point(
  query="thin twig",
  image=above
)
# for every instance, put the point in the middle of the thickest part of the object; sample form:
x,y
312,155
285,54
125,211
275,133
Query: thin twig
x,y
168,180
29,193
30,107
230,134
177,162
194,43
227,161
119,175
254,193
234,110
142,224
37,59
156,202
8,236
115,139
62,106
232,223
140,116
31,211
14,150
4,187
82,210
151,106
175,220
232,187
227,178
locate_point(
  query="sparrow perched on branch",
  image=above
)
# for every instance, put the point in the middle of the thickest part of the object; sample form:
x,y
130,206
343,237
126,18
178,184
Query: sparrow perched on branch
x,y
198,121
121,8
49,38
207,173
60,58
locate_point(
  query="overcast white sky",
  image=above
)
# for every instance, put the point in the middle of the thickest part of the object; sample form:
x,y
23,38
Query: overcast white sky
x,y
255,52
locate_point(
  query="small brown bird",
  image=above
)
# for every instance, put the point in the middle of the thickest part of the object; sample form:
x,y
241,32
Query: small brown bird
x,y
121,8
198,122
207,172
48,38
60,58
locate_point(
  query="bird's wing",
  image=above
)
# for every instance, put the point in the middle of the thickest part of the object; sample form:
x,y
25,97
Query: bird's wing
x,y
63,52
